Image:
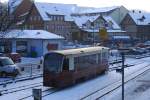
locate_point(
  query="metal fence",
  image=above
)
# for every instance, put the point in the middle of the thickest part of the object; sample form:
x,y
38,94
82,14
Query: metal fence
x,y
30,70
27,72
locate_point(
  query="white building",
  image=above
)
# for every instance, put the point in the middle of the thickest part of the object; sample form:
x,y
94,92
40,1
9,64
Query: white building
x,y
30,42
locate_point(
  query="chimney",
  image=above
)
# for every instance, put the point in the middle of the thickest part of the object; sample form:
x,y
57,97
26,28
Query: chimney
x,y
133,11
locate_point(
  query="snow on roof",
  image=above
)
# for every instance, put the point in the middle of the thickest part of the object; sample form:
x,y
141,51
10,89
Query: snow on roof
x,y
80,20
77,51
32,34
84,10
66,9
121,37
13,4
112,31
110,20
109,31
140,17
55,9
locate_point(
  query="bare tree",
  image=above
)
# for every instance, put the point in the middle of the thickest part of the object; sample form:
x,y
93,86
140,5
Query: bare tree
x,y
8,20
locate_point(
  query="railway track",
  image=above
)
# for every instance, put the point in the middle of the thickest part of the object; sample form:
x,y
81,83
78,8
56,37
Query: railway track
x,y
126,66
45,92
96,95
20,88
20,79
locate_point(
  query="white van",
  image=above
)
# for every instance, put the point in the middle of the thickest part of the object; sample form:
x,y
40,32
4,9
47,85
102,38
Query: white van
x,y
7,67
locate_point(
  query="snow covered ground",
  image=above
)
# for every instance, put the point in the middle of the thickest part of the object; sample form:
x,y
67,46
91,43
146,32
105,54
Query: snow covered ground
x,y
132,88
25,60
137,89
83,89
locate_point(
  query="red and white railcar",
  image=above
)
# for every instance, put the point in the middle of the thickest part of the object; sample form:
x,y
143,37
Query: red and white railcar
x,y
66,67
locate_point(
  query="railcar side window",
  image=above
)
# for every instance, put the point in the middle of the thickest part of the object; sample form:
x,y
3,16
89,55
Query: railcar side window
x,y
1,64
85,61
66,64
104,56
92,59
99,58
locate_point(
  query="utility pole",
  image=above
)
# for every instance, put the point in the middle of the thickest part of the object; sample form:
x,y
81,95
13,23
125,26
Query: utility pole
x,y
93,34
92,24
122,53
123,59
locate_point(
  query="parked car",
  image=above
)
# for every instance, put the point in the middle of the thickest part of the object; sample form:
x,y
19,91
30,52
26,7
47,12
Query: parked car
x,y
136,51
2,54
147,43
142,50
7,67
140,45
16,57
148,48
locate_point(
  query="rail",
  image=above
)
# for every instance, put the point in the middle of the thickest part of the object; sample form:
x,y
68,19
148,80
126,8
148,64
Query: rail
x,y
113,86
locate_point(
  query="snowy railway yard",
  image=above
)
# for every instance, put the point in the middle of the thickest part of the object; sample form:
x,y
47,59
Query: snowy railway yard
x,y
74,50
103,87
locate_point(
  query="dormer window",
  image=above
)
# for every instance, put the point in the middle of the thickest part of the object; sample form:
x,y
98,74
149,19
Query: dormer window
x,y
92,24
142,18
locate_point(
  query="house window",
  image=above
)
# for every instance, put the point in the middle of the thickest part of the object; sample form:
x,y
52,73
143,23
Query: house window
x,y
52,46
21,47
61,18
31,18
31,27
35,18
54,18
47,27
57,18
5,47
39,18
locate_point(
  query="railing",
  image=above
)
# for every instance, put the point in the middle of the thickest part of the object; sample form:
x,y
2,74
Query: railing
x,y
30,69
27,72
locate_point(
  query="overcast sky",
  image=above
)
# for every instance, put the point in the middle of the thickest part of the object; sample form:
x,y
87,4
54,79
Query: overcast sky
x,y
130,4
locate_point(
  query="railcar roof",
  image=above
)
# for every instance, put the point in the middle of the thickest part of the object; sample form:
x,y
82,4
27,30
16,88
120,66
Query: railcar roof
x,y
80,50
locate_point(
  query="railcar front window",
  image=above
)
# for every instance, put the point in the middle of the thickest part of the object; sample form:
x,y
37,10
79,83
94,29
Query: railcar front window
x,y
53,63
